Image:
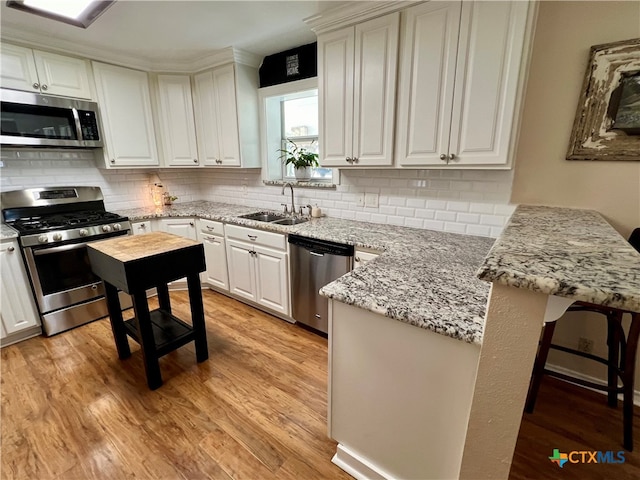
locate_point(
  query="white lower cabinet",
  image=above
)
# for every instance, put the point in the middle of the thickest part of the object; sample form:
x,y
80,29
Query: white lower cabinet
x,y
258,267
185,227
18,314
138,228
211,234
362,256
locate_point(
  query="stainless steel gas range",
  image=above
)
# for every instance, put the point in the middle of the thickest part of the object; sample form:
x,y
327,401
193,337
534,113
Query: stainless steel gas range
x,y
54,225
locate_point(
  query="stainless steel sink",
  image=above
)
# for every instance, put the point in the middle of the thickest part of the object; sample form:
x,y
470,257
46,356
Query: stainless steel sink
x,y
263,216
291,221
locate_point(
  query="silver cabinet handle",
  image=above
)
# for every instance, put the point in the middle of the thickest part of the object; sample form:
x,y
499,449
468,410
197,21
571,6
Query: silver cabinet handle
x,y
452,156
195,160
252,237
357,259
191,224
209,227
355,159
349,159
142,226
44,87
113,160
11,249
36,85
443,156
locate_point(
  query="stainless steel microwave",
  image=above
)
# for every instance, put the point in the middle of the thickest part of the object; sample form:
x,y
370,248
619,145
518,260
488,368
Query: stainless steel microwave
x,y
35,120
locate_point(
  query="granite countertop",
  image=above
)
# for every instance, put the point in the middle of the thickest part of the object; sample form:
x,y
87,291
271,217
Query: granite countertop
x,y
6,232
566,252
423,277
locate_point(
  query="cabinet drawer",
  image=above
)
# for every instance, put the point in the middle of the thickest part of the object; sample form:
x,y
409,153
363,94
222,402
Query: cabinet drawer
x,y
210,226
251,235
141,227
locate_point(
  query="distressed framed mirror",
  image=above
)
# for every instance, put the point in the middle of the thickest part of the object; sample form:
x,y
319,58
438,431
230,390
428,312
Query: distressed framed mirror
x,y
607,123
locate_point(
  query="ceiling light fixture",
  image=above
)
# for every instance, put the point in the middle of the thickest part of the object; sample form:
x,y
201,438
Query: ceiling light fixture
x,y
80,13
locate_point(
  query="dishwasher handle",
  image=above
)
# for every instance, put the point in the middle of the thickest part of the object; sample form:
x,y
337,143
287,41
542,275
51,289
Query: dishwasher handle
x,y
321,247
316,253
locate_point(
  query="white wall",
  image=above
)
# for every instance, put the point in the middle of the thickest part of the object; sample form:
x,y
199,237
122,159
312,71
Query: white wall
x,y
565,31
463,201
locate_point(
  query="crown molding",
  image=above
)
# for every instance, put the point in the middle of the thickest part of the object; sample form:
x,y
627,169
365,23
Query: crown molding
x,y
12,34
352,13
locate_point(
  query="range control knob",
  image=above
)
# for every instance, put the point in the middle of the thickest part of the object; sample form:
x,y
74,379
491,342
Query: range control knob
x,y
83,232
43,239
106,228
57,237
117,227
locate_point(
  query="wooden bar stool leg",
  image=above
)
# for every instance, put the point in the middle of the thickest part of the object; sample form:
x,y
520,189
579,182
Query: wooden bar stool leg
x,y
538,367
197,317
614,335
628,376
147,341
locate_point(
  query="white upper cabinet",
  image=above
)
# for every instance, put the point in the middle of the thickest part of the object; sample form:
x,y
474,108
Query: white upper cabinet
x,y
226,112
459,83
356,88
125,109
177,126
43,72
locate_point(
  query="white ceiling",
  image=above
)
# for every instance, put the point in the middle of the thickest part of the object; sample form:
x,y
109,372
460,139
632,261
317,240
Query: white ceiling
x,y
174,31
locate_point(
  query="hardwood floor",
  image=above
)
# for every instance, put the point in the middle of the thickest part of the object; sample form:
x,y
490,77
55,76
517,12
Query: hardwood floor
x,y
255,410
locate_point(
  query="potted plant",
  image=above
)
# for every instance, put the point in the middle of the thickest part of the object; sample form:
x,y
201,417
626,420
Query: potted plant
x,y
301,158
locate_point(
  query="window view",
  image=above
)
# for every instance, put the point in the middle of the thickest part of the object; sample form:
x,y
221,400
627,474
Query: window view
x,y
300,125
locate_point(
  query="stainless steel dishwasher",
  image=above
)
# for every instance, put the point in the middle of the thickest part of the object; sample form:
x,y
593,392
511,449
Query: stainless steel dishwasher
x,y
314,263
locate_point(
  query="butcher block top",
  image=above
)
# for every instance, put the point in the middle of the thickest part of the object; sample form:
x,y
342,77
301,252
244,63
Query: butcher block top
x,y
135,247
144,261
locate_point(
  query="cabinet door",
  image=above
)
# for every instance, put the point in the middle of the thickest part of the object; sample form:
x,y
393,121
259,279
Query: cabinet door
x,y
272,279
242,278
375,67
216,258
492,37
335,96
18,68
139,228
60,75
362,257
185,227
125,108
224,81
178,129
426,82
206,109
18,310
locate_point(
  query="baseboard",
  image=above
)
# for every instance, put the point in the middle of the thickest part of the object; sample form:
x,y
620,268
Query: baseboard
x,y
356,466
20,336
582,376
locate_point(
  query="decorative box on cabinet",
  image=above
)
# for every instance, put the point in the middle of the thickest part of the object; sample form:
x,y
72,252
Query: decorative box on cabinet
x,y
471,55
44,72
125,108
18,314
226,113
356,93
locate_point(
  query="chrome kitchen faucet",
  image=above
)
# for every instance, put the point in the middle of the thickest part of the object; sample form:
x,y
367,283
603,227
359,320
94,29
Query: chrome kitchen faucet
x,y
293,207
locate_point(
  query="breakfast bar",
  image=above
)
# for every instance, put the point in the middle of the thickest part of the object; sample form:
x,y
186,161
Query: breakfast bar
x,y
137,263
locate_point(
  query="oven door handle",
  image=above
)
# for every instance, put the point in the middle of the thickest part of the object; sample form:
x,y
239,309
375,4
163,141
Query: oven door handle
x,y
61,248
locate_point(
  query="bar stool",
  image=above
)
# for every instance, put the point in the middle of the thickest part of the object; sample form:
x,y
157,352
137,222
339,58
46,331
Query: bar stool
x,y
620,362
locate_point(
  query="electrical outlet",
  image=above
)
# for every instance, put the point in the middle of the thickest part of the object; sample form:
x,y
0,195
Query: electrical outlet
x,y
585,345
244,189
360,200
371,200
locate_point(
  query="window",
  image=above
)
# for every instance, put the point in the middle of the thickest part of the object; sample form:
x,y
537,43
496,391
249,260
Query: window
x,y
290,114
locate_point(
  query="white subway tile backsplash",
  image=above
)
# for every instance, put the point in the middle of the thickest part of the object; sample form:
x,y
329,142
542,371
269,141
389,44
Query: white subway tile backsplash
x,y
463,201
